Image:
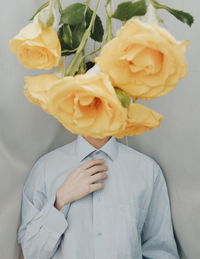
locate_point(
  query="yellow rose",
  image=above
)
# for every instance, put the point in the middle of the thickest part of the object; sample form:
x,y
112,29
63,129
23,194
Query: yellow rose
x,y
144,60
36,47
140,119
87,105
37,88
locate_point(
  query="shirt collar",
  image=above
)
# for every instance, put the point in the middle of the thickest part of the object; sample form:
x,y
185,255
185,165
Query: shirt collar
x,y
84,148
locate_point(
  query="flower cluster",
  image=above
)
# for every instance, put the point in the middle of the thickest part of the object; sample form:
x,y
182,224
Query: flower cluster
x,y
143,61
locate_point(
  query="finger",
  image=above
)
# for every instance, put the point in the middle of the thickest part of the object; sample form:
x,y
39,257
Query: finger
x,y
96,168
91,163
96,186
98,176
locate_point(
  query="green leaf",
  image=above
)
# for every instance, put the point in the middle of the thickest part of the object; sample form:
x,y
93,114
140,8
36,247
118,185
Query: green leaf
x,y
38,10
77,34
73,14
180,15
127,10
97,31
67,35
123,97
80,15
70,37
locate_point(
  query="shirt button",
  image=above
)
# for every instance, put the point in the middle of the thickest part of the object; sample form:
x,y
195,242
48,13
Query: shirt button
x,y
99,233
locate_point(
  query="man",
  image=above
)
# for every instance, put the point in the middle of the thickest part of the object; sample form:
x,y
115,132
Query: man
x,y
96,199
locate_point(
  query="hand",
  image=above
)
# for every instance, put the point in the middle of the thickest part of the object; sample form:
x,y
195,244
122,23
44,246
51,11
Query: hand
x,y
81,182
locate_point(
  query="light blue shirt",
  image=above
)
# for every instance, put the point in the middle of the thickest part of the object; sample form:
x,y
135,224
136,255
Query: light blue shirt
x,y
128,219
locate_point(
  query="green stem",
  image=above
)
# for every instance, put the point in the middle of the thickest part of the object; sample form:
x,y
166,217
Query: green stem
x,y
87,2
158,5
82,64
51,4
151,15
58,3
91,53
69,50
108,34
39,9
75,63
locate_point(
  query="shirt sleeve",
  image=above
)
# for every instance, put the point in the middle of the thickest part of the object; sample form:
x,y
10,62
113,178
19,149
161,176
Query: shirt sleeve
x,y
42,225
157,234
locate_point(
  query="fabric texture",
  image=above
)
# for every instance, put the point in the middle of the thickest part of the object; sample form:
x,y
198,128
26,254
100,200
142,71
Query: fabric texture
x,y
129,218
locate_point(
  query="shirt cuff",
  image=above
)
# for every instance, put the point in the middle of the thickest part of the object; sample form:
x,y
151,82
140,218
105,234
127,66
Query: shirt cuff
x,y
55,220
65,210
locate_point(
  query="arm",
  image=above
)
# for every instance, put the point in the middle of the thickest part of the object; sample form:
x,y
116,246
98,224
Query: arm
x,y
42,224
43,220
157,234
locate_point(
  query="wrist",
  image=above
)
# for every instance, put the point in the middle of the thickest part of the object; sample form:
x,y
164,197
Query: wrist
x,y
59,201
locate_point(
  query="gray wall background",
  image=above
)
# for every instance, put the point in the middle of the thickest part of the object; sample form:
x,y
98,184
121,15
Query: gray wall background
x,y
26,132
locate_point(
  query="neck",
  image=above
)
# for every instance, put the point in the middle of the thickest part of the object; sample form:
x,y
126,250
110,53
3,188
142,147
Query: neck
x,y
96,142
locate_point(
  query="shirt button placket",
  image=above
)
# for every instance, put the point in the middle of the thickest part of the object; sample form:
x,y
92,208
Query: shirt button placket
x,y
97,219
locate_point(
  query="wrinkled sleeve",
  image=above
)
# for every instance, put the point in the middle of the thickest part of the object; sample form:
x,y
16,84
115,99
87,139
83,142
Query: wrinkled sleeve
x,y
157,235
42,225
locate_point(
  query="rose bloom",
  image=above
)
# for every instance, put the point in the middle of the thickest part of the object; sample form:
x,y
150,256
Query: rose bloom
x,y
144,60
84,104
36,47
37,88
140,119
